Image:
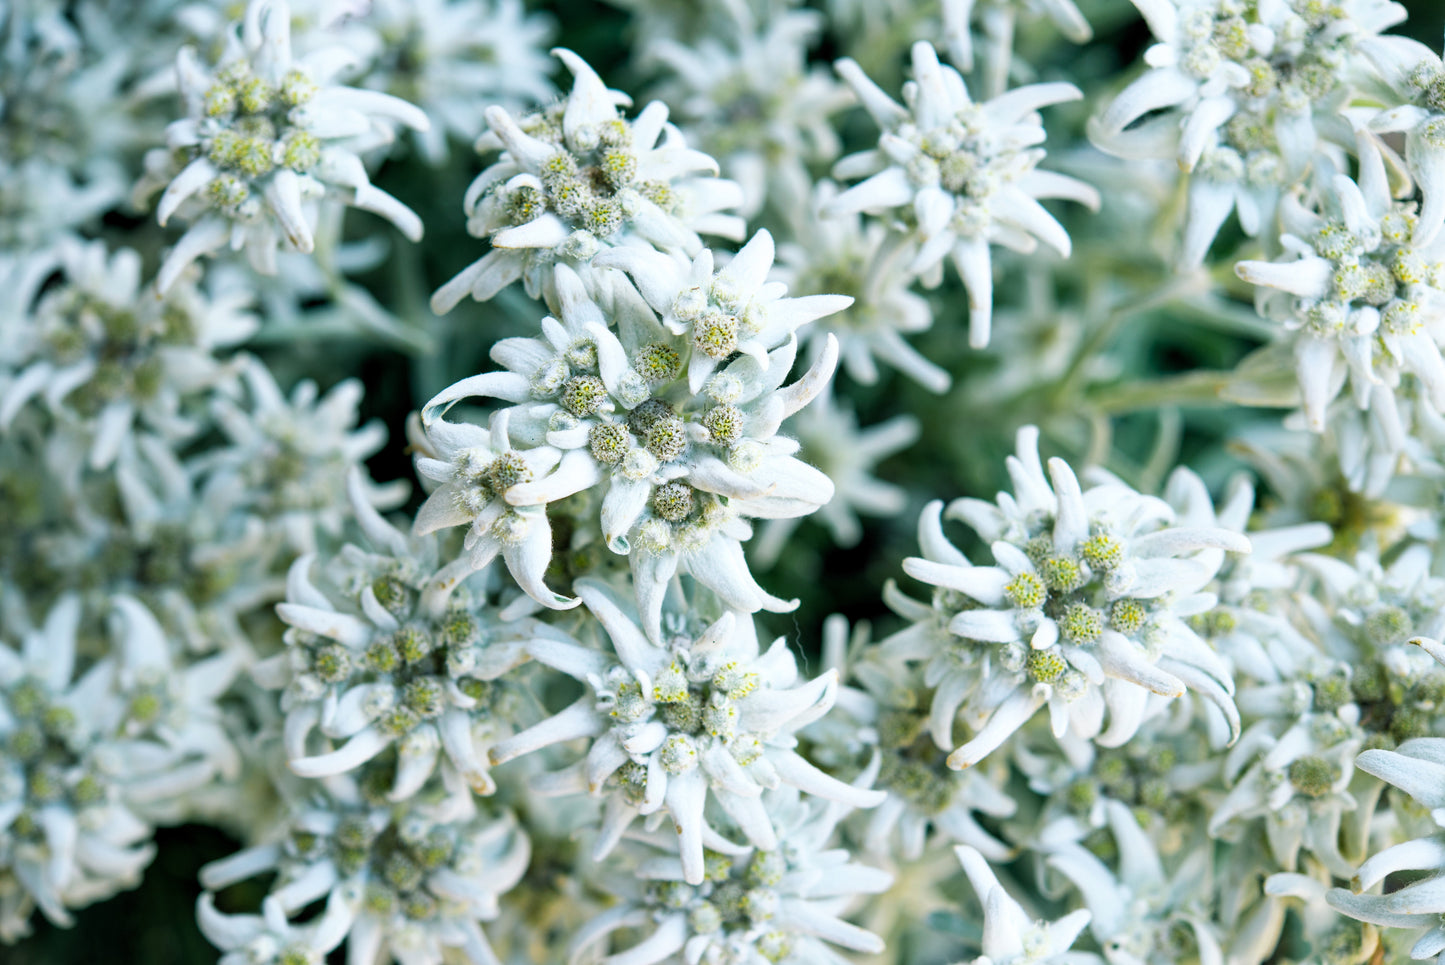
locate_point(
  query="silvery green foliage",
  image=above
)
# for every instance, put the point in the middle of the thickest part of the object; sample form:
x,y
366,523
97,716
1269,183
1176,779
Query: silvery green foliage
x,y
267,137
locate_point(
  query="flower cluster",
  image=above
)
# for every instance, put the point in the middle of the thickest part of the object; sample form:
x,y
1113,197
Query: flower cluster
x,y
457,627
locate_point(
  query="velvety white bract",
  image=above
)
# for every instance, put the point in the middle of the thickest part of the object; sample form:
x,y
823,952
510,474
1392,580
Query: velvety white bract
x,y
982,32
1009,938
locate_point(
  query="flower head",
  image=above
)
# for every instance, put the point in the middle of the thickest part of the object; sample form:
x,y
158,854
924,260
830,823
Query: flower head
x,y
94,760
704,716
958,176
754,905
266,137
392,655
1245,95
579,178
446,57
410,882
1082,610
105,353
1358,301
683,445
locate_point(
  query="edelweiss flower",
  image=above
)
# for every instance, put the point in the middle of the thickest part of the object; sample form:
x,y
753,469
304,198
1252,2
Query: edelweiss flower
x,y
1009,938
748,97
887,720
1138,911
1366,616
40,203
266,138
1359,300
447,57
389,651
407,883
681,468
92,763
704,715
1245,91
579,178
1083,610
287,460
999,18
105,353
861,258
958,176
1163,777
1294,771
69,123
1416,75
754,905
478,470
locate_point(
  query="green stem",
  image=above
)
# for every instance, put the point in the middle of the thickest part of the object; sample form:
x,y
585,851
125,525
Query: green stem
x,y
1190,389
1178,288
